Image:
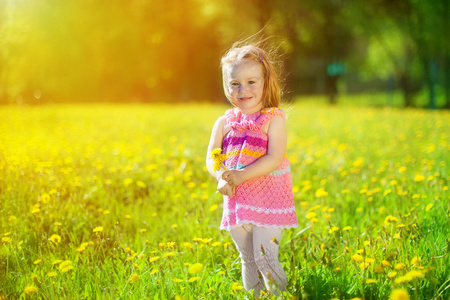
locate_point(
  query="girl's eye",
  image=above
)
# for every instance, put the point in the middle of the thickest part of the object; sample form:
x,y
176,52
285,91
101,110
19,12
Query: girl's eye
x,y
234,84
251,82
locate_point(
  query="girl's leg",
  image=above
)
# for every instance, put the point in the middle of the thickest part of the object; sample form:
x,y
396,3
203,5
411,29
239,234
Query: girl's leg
x,y
266,257
243,238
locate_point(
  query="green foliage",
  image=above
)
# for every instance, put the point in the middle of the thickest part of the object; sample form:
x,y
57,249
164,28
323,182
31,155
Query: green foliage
x,y
107,201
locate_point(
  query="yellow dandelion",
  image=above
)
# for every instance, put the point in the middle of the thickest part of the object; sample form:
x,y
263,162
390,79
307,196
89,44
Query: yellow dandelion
x,y
346,228
143,230
399,294
379,269
169,254
65,266
31,289
363,265
51,274
333,229
37,261
134,278
235,286
403,279
98,229
55,238
215,244
187,245
213,207
429,206
141,184
127,181
389,220
154,271
419,178
174,225
82,247
400,266
414,274
392,274
177,280
311,215
385,263
55,262
153,259
195,268
368,281
321,193
6,240
357,257
193,279
415,260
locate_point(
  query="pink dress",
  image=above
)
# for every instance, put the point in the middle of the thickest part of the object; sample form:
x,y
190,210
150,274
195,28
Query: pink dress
x,y
266,201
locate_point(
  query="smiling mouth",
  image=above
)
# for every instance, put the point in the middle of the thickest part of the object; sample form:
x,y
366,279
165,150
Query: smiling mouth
x,y
245,98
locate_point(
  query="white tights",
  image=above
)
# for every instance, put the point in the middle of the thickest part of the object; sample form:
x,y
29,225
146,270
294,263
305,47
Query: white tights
x,y
249,241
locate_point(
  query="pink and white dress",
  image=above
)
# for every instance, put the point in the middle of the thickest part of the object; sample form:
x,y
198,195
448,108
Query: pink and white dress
x,y
266,201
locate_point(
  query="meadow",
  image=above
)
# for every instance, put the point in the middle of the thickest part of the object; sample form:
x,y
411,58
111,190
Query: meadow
x,y
114,202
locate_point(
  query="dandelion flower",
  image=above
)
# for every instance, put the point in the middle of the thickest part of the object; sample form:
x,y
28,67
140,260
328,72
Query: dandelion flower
x,y
368,281
134,278
153,259
333,229
414,274
218,159
193,279
216,244
98,229
419,178
177,280
346,228
65,266
51,274
187,245
399,294
235,286
403,279
30,290
213,207
195,268
169,254
55,238
37,261
429,206
385,263
6,240
357,257
321,193
400,266
392,274
415,260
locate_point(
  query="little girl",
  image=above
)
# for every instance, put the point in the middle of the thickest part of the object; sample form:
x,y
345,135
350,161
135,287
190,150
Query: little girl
x,y
257,186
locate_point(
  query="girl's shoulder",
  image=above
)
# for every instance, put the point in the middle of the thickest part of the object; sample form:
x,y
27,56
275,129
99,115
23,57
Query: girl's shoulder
x,y
273,111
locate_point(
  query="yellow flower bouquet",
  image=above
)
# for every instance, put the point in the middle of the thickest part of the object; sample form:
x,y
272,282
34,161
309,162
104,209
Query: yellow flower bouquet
x,y
219,158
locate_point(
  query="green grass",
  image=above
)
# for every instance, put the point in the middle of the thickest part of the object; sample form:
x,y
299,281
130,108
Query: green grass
x,y
137,171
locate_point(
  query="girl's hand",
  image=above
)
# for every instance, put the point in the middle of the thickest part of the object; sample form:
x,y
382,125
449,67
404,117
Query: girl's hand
x,y
225,189
233,177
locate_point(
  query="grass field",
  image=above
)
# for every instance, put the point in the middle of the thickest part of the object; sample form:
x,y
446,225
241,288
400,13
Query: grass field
x,y
114,202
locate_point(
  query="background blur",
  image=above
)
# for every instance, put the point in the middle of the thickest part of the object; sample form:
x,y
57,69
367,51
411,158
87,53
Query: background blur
x,y
54,51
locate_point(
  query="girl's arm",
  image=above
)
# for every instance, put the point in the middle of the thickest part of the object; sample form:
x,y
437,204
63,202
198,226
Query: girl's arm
x,y
216,140
276,149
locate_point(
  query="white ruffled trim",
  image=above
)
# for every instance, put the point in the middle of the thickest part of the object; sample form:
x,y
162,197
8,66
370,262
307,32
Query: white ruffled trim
x,y
267,210
242,222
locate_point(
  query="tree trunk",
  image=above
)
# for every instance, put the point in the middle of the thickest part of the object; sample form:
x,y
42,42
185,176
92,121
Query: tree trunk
x,y
406,90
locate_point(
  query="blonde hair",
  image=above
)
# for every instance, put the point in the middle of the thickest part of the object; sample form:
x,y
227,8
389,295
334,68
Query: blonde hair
x,y
272,91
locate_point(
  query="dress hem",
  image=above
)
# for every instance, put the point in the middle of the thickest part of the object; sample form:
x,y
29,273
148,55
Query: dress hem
x,y
228,228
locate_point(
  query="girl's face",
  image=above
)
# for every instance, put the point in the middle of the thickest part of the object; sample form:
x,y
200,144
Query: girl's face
x,y
246,86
